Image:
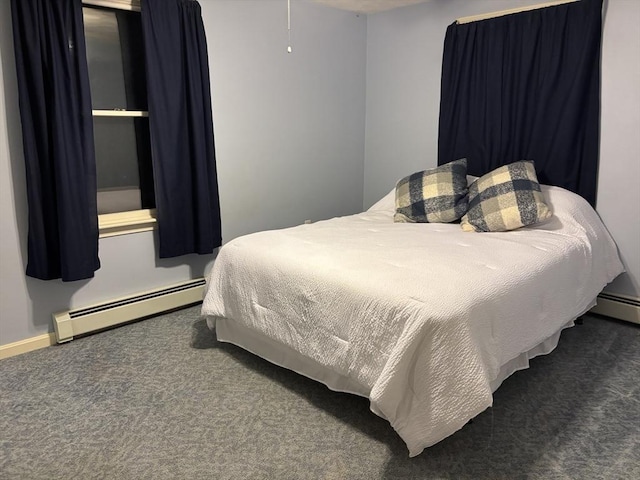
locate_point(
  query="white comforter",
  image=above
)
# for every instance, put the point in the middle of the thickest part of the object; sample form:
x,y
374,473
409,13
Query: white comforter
x,y
422,316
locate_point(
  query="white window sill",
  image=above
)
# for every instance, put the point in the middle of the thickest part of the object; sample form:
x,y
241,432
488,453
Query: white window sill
x,y
121,4
124,223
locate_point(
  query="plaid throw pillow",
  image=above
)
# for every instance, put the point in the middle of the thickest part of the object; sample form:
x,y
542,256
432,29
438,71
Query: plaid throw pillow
x,y
438,195
507,198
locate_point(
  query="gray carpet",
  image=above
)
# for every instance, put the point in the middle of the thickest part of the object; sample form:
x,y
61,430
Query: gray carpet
x,y
162,399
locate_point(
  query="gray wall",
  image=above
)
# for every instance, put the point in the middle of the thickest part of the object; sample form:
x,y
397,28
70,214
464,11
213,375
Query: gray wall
x,y
289,140
289,127
618,200
404,55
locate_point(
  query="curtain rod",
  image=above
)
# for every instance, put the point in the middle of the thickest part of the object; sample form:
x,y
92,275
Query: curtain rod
x,y
485,16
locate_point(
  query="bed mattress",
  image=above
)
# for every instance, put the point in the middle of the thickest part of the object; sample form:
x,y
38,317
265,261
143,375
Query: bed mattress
x,y
423,319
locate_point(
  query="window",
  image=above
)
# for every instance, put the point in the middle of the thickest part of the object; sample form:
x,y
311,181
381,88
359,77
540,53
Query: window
x,y
115,58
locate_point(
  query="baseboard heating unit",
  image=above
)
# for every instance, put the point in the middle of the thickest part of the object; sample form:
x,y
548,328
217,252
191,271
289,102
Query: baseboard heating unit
x,y
98,317
618,306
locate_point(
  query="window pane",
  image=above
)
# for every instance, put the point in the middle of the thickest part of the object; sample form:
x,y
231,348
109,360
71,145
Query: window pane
x,y
115,58
123,164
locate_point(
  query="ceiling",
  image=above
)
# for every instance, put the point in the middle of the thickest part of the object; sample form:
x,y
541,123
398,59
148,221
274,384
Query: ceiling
x,y
368,6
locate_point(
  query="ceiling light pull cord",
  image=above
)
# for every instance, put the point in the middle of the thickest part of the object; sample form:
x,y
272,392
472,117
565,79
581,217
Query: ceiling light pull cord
x,y
289,25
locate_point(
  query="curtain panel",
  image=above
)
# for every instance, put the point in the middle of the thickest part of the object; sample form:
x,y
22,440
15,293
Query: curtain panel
x,y
181,125
57,132
526,86
57,128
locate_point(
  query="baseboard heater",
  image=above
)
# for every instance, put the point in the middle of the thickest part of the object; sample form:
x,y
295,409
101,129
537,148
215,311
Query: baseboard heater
x,y
621,307
98,317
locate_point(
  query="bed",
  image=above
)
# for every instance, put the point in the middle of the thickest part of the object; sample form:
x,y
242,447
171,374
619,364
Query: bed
x,y
424,319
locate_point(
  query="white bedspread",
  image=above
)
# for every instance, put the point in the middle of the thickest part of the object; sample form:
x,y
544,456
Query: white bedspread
x,y
422,316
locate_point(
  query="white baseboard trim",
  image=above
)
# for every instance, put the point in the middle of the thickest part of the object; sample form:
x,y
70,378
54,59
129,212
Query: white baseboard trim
x,y
27,345
620,307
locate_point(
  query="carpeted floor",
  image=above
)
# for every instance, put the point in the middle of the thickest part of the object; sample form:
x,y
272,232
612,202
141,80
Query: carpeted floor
x,y
162,399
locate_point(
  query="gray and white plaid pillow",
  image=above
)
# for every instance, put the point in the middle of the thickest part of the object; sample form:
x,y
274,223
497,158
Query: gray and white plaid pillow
x,y
506,198
438,195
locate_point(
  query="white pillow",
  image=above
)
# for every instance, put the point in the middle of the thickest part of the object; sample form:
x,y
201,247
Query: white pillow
x,y
386,203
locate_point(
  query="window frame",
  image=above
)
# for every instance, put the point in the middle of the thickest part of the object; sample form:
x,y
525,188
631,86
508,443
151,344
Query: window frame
x,y
133,221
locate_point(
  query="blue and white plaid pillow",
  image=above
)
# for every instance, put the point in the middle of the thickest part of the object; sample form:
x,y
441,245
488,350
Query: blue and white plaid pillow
x,y
506,198
438,195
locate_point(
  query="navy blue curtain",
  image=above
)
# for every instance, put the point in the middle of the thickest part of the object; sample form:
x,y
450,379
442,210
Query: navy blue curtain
x,y
526,86
57,132
181,125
